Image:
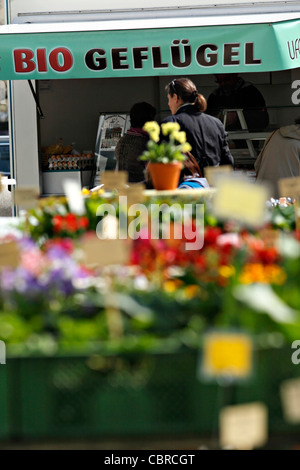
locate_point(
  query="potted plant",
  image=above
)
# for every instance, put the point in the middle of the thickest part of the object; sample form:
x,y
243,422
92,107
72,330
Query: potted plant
x,y
165,157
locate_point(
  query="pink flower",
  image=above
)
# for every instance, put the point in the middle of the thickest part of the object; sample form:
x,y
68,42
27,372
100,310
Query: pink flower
x,y
33,261
232,239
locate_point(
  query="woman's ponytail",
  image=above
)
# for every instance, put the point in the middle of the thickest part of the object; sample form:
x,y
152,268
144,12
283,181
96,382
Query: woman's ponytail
x,y
200,102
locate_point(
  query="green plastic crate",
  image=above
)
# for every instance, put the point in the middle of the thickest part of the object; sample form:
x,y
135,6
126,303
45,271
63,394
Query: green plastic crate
x,y
64,397
154,394
4,401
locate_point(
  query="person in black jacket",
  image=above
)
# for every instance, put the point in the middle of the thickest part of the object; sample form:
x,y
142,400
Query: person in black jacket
x,y
205,134
234,92
134,142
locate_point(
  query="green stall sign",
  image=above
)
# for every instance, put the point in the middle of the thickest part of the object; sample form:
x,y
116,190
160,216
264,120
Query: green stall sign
x,y
149,52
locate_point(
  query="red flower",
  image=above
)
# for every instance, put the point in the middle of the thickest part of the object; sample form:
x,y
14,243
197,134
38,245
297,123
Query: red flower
x,y
66,244
57,223
83,222
70,222
211,235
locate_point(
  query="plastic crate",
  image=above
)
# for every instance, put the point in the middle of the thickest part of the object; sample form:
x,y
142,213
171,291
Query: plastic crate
x,y
153,394
4,401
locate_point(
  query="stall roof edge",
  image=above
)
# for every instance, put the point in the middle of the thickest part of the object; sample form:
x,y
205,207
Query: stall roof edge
x,y
160,19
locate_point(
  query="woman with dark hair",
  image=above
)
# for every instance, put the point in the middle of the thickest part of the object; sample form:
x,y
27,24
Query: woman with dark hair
x,y
191,176
205,134
134,142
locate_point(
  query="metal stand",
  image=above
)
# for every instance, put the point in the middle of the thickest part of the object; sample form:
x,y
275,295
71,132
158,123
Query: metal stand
x,y
245,133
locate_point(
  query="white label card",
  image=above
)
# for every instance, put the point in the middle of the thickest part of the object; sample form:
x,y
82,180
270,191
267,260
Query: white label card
x,y
9,255
114,180
244,427
97,252
290,399
74,196
213,173
289,187
237,198
26,196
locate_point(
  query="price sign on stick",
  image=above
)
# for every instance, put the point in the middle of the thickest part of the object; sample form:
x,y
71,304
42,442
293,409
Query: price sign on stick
x,y
244,427
97,252
289,187
290,399
74,196
238,198
227,354
134,194
212,173
9,255
26,196
114,180
297,215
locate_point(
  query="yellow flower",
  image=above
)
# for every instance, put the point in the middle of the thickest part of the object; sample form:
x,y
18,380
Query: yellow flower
x,y
275,274
252,272
85,191
191,291
172,285
186,147
155,136
165,151
179,136
170,127
226,271
152,127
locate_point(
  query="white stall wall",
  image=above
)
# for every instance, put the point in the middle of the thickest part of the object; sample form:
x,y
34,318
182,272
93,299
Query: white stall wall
x,y
42,6
24,141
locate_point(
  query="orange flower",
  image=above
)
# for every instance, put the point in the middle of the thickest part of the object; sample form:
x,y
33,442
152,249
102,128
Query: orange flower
x,y
257,272
191,291
172,285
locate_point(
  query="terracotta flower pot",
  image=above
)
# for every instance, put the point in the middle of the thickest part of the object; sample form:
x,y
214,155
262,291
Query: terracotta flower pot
x,y
165,175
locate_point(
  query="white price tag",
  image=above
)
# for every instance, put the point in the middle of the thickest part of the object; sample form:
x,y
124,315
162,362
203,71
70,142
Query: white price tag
x,y
97,252
26,196
237,198
74,196
290,400
289,187
244,427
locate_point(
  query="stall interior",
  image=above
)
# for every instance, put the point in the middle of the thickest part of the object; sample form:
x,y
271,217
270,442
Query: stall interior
x,y
74,110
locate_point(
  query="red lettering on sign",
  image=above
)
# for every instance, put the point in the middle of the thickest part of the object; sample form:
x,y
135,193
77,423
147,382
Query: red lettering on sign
x,y
67,59
41,60
23,60
60,59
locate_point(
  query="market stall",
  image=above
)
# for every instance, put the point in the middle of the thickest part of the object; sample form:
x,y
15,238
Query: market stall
x,y
82,65
175,308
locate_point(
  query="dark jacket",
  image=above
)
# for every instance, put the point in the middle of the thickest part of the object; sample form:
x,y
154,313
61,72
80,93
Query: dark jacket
x,y
127,152
206,135
244,95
